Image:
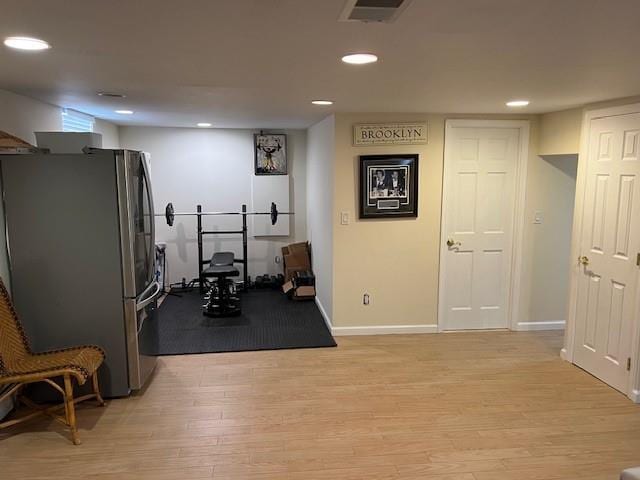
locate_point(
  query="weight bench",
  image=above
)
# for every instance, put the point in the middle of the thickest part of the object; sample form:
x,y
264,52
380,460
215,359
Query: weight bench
x,y
222,298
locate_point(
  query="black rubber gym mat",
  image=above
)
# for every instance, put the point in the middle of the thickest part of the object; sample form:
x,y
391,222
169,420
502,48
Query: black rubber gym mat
x,y
269,321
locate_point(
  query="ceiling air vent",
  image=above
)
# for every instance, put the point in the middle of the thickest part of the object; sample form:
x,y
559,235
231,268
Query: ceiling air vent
x,y
373,10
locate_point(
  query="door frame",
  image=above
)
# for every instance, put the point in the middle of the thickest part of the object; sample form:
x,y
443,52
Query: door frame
x,y
567,352
518,213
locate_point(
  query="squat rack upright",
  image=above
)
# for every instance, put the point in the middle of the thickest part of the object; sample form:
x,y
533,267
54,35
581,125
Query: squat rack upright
x,y
201,233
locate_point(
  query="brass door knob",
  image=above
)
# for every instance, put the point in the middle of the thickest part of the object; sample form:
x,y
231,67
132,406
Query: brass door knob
x,y
584,260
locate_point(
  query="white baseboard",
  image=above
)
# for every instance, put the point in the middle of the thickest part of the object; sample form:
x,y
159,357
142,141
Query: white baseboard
x,y
548,325
324,314
427,328
635,396
564,355
384,329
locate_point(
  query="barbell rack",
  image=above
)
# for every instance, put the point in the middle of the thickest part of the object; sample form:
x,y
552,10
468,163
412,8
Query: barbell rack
x,y
243,261
170,215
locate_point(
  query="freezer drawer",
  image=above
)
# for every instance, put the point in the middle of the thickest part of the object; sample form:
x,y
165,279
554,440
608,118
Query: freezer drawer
x,y
141,338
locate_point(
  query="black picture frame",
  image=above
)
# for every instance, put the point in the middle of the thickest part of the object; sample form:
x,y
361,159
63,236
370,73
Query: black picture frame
x,y
270,153
389,186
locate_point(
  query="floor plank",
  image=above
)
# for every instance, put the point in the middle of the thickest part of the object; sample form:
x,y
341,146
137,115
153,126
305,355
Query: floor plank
x,y
465,406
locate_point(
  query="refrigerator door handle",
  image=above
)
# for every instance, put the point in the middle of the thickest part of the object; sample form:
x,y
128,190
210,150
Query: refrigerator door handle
x,y
152,236
146,298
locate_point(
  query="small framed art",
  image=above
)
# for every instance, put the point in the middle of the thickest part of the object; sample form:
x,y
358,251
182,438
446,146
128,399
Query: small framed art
x,y
388,186
270,154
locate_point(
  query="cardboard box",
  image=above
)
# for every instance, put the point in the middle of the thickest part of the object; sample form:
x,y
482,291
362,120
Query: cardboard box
x,y
295,257
305,292
287,287
299,293
296,248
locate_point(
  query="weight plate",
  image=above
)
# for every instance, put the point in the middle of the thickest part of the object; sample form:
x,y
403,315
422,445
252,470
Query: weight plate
x,y
169,214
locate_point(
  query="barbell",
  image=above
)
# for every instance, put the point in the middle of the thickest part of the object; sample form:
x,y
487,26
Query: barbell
x,y
170,214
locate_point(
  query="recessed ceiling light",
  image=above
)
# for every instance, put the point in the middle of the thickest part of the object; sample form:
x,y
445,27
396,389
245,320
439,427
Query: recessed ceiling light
x,y
125,112
26,43
322,102
111,95
204,124
518,103
359,58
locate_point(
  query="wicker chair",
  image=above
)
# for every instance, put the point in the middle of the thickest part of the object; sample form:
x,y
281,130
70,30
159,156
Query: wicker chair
x,y
19,366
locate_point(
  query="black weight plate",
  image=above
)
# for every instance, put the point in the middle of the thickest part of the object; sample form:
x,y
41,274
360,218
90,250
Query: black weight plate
x,y
169,214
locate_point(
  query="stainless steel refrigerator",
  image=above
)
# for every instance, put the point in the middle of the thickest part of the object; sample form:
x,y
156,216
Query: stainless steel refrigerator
x,y
80,236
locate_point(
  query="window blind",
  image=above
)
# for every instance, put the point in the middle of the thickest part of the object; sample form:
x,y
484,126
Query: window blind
x,y
74,121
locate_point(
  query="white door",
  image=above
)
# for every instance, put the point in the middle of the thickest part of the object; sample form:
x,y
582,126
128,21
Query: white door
x,y
610,242
477,225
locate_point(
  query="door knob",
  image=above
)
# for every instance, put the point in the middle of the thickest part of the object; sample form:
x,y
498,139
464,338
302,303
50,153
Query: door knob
x,y
584,260
452,243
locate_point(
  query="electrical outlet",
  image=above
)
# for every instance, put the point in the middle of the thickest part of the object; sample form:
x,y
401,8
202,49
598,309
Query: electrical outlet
x,y
365,299
277,259
344,218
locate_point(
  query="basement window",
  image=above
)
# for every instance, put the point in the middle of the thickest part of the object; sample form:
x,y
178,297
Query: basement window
x,y
74,121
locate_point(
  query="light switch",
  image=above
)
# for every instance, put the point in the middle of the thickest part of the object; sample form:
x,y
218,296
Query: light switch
x,y
537,217
344,218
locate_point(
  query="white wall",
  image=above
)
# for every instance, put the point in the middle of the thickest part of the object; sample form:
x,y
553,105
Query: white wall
x,y
213,168
21,116
110,133
320,199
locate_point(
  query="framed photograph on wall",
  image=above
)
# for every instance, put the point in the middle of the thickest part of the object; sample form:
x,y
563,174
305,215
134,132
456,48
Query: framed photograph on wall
x,y
388,186
270,154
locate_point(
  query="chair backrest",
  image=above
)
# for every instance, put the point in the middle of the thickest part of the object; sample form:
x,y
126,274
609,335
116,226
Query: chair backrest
x,y
222,259
13,341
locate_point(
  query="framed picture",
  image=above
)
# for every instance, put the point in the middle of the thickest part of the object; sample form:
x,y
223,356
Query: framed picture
x,y
270,154
388,186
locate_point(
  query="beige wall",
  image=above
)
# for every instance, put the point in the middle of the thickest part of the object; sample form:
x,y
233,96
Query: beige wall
x,y
394,261
320,198
397,261
560,132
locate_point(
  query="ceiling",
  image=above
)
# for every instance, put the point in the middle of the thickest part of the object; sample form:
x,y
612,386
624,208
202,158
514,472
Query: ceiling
x,y
259,63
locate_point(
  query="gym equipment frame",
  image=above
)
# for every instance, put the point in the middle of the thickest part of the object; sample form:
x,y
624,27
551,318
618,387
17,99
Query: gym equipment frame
x,y
170,214
243,261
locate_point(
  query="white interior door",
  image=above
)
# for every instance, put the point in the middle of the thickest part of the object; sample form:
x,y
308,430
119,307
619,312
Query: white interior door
x,y
610,242
478,223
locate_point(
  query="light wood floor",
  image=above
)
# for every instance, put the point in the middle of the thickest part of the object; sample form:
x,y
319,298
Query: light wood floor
x,y
466,406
